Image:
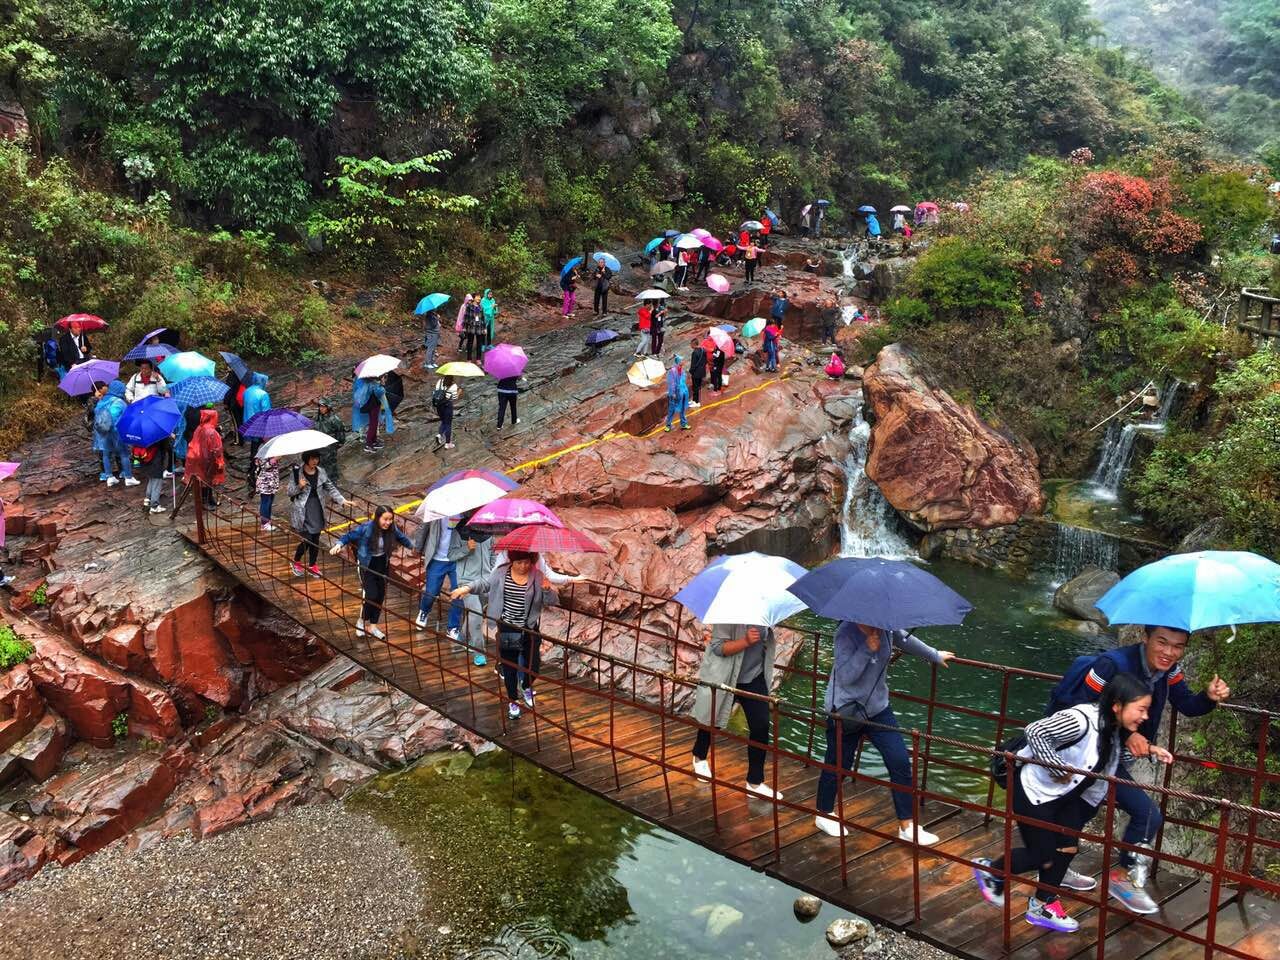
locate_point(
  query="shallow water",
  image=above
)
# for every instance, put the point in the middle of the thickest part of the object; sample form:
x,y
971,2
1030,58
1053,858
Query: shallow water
x,y
523,865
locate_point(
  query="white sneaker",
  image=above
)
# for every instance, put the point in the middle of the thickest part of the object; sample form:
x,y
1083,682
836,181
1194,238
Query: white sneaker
x,y
694,404
453,634
925,839
359,628
1079,881
702,769
513,711
146,502
762,789
112,481
268,528
375,632
168,474
131,481
420,621
830,827
157,508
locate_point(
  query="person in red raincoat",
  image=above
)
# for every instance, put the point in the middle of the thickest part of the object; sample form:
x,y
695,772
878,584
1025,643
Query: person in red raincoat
x,y
205,460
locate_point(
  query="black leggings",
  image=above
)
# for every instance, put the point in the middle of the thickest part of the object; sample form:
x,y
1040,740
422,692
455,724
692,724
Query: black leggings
x,y
757,714
373,579
1043,849
717,379
308,546
601,301
525,656
697,389
472,343
750,267
506,401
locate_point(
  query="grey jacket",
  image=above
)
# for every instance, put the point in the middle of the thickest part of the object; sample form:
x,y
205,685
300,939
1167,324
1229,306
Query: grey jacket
x,y
475,564
329,495
859,676
427,539
719,668
491,592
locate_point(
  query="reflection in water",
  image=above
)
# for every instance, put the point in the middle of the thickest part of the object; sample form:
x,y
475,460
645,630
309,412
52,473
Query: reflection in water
x,y
526,940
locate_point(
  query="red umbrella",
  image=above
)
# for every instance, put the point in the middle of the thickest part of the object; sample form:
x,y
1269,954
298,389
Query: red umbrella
x,y
87,321
540,538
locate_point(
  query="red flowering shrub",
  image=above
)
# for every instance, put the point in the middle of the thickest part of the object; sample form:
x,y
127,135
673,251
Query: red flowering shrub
x,y
1126,211
1171,234
1117,265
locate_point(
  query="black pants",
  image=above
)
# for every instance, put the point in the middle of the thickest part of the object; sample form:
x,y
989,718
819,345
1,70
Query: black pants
x,y
470,344
682,275
254,444
373,580
757,714
600,301
507,401
717,378
1042,849
697,389
657,336
704,267
750,267
828,333
310,545
524,650
446,420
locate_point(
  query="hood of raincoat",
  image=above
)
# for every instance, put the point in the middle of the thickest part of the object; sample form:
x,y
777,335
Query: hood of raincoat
x,y
205,460
208,418
116,389
258,380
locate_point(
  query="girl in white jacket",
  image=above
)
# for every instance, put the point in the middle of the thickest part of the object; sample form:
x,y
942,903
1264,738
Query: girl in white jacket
x,y
1086,737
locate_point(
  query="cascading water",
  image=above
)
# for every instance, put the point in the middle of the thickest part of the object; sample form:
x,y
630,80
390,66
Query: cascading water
x,y
868,529
1078,547
1117,449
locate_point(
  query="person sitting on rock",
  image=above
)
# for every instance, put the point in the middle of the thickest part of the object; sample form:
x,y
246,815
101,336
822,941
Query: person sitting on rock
x,y
738,656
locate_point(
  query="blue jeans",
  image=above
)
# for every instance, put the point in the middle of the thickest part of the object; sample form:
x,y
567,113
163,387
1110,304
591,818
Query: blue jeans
x,y
430,341
265,503
437,571
681,404
892,748
126,465
1144,815
771,352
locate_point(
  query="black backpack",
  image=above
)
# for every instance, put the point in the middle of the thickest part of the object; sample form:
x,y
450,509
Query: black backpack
x,y
437,396
999,769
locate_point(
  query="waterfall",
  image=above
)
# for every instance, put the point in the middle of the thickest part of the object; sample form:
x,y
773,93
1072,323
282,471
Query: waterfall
x,y
1078,547
1117,449
868,529
848,257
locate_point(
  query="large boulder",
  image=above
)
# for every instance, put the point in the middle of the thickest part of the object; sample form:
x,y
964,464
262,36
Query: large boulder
x,y
1078,596
20,705
39,752
935,460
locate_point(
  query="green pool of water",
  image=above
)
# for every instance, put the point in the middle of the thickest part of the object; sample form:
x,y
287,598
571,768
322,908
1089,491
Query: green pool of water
x,y
522,865
1079,503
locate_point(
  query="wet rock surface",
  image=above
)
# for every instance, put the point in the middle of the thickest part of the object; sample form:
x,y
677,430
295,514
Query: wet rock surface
x,y
935,460
1078,596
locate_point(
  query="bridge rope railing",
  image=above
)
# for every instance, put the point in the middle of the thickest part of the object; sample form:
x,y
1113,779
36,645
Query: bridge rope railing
x,y
231,534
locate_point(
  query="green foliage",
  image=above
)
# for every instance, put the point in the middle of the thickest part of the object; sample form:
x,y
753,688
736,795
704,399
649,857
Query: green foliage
x,y
1230,208
120,725
1163,335
516,265
40,596
13,649
248,184
957,279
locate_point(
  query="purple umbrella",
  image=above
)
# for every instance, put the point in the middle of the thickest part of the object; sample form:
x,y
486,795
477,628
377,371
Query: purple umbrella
x,y
272,423
510,512
81,378
505,360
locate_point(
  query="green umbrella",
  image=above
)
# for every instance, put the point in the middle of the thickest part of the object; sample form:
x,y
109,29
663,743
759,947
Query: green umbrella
x,y
754,326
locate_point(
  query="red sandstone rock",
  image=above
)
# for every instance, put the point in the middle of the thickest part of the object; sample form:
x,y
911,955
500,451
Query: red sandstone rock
x,y
260,636
122,647
20,705
22,851
40,750
935,460
185,650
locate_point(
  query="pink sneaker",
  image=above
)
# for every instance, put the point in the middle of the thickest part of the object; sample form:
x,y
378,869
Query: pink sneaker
x,y
314,570
297,568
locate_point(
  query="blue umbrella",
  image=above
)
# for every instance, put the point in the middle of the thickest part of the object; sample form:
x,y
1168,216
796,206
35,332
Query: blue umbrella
x,y
1196,591
198,391
653,244
564,271
748,588
609,260
597,337
772,216
728,328
148,421
889,594
865,208
81,378
274,422
186,364
823,203
151,351
671,233
238,366
431,301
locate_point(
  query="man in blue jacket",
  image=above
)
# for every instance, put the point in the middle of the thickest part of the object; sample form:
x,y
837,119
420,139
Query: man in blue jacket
x,y
1157,662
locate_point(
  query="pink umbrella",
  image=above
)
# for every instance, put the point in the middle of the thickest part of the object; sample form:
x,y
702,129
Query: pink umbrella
x,y
505,360
701,234
8,468
718,282
721,340
511,512
711,243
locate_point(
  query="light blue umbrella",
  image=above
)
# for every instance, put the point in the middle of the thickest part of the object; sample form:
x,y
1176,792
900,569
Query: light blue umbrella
x,y
569,266
1196,591
431,301
653,244
186,364
772,216
609,259
747,588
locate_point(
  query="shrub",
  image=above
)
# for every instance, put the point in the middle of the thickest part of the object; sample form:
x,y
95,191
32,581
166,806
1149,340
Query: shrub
x,y
13,649
120,725
958,278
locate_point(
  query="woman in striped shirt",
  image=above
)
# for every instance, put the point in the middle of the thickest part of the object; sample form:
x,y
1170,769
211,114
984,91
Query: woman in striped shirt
x,y
1086,737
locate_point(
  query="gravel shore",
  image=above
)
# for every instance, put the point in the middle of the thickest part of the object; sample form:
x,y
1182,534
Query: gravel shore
x,y
322,882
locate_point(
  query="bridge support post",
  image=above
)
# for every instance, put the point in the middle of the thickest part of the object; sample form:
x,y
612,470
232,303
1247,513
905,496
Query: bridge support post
x,y
197,488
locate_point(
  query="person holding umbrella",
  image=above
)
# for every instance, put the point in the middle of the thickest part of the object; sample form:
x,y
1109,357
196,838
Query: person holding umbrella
x,y
658,328
329,423
772,335
508,392
569,286
444,396
430,338
644,321
310,491
475,565
600,300
151,463
375,540
717,367
73,345
147,382
106,438
368,405
877,602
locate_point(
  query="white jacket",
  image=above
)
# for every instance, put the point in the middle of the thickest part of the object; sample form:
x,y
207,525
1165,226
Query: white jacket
x,y
1071,738
135,389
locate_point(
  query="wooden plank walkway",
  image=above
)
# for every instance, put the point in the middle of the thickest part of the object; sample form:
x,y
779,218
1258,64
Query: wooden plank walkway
x,y
637,756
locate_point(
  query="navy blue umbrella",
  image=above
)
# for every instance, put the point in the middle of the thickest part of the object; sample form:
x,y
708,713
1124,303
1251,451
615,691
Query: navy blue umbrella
x,y
597,337
238,366
151,351
889,594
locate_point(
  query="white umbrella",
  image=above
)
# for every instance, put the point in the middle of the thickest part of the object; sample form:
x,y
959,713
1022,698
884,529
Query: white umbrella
x,y
647,372
294,442
653,293
459,497
687,241
900,209
750,588
376,365
661,267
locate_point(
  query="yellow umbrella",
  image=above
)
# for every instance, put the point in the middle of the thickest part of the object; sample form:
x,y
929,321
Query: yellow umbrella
x,y
459,368
647,372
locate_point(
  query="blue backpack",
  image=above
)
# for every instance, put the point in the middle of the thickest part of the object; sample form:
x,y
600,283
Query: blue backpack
x,y
1067,691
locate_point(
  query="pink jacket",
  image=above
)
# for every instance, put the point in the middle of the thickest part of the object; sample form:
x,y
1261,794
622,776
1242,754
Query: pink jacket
x,y
462,313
